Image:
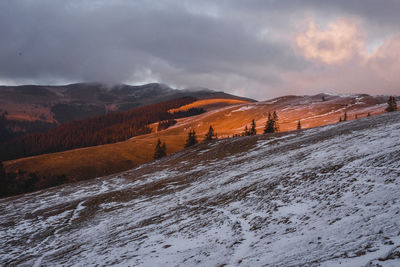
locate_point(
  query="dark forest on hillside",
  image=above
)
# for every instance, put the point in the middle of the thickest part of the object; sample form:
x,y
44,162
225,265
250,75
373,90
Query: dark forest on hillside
x,y
110,128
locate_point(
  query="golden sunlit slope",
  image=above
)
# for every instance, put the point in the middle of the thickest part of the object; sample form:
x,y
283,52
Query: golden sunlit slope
x,y
209,104
96,161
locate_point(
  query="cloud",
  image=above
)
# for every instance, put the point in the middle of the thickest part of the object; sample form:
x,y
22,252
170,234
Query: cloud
x,y
373,73
341,41
237,46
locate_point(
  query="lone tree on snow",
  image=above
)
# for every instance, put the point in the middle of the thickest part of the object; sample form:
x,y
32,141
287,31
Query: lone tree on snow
x,y
253,130
271,126
299,126
210,135
392,105
160,150
192,139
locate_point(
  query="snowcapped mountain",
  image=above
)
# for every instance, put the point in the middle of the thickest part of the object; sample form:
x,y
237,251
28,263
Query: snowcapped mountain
x,y
327,196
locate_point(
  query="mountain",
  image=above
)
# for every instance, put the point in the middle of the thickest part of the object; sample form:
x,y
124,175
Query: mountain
x,y
105,129
37,108
81,100
325,196
226,116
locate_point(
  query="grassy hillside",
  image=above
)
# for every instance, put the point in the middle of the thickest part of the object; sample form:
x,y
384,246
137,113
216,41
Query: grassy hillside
x,y
36,108
326,196
106,159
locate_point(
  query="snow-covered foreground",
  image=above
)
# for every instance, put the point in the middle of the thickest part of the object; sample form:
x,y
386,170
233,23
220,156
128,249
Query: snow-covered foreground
x,y
327,196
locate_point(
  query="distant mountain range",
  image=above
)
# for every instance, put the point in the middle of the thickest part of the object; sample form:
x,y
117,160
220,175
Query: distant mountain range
x,y
37,108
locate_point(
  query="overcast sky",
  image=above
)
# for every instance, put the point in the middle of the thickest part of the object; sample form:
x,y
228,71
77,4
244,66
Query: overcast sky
x,y
254,48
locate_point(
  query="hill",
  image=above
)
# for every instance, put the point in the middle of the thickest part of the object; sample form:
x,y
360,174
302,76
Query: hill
x,y
105,129
101,160
37,108
325,196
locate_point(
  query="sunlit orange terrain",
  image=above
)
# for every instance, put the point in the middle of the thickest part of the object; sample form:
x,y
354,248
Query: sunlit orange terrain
x,y
227,120
209,104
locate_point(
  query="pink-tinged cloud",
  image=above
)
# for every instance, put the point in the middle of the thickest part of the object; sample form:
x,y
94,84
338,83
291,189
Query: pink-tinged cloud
x,y
340,41
385,61
341,62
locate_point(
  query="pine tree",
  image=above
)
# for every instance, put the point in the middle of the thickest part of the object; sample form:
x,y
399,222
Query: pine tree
x,y
392,105
210,135
192,139
253,130
340,119
246,131
271,126
369,114
345,116
299,126
276,119
164,149
160,150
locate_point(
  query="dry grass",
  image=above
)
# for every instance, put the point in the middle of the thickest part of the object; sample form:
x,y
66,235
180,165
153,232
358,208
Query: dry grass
x,y
208,104
102,160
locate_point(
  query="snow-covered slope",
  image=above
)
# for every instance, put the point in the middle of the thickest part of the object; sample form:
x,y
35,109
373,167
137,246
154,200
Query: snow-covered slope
x,y
326,196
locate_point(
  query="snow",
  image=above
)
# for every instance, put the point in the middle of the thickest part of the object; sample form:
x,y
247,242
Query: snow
x,y
247,107
327,196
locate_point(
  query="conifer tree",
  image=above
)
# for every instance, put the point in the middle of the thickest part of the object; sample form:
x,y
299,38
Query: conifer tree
x,y
299,126
253,130
340,119
345,116
164,149
271,126
160,150
246,131
276,125
268,125
392,105
369,114
192,139
210,135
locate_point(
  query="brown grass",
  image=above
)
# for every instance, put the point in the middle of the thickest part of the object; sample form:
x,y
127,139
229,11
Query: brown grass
x,y
208,104
85,163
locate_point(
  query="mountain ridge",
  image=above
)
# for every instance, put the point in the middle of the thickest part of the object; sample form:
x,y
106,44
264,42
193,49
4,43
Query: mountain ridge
x,y
227,121
35,108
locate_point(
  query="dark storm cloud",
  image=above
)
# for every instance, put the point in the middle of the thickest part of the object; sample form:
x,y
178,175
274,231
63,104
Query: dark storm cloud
x,y
111,41
225,45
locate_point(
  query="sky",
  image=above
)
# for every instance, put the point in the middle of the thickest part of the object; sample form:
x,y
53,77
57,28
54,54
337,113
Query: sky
x,y
253,48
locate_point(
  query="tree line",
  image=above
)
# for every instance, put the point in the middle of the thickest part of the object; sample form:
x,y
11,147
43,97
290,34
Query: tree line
x,y
105,129
271,126
391,107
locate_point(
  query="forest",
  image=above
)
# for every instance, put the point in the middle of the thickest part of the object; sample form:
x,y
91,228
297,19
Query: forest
x,y
105,129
